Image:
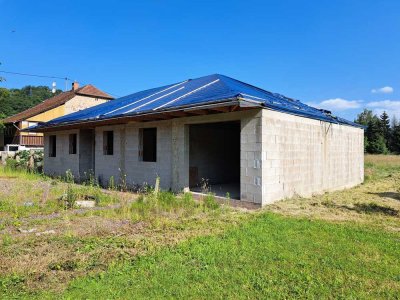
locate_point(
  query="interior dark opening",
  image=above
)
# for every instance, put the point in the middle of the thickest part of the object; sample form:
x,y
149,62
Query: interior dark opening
x,y
214,158
72,143
52,146
108,142
149,144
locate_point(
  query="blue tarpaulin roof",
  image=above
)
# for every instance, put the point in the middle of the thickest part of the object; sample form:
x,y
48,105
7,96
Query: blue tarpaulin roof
x,y
209,89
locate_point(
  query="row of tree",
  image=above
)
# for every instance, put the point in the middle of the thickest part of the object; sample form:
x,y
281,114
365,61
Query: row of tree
x,y
13,101
381,135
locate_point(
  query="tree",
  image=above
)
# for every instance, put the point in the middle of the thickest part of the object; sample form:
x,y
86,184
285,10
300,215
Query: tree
x,y
395,144
394,122
2,116
393,140
376,141
378,135
2,78
366,144
365,117
385,128
13,101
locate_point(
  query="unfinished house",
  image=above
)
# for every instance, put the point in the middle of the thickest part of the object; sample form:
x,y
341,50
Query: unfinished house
x,y
241,141
12,138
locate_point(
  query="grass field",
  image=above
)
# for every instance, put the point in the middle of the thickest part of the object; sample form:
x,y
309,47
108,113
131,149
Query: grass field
x,y
344,244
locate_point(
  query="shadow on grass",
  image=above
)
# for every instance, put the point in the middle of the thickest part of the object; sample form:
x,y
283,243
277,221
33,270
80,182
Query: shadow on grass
x,y
366,208
393,195
371,208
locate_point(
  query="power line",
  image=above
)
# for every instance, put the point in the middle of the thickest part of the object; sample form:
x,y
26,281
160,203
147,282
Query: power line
x,y
35,75
45,76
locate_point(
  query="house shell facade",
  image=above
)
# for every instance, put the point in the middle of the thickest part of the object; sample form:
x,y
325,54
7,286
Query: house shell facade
x,y
280,155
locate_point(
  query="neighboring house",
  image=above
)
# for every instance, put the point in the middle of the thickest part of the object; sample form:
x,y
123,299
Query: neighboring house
x,y
248,143
62,104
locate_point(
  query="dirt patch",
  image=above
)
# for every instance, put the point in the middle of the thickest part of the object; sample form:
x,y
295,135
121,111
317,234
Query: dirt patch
x,y
88,244
45,246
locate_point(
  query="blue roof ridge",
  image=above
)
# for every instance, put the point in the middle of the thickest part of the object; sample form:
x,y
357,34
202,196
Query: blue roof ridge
x,y
199,91
245,83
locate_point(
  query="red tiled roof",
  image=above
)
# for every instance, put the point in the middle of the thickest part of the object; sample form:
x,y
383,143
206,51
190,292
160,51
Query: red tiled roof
x,y
53,102
92,91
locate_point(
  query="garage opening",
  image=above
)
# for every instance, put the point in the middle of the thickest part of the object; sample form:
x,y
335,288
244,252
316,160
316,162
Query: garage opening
x,y
214,158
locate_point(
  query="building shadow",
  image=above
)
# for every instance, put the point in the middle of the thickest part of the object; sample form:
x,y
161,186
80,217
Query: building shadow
x,y
392,195
368,208
373,208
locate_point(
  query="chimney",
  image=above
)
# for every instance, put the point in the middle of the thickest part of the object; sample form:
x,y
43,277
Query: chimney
x,y
75,86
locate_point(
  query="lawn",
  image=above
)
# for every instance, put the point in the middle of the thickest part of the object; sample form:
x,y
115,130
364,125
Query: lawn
x,y
268,257
343,244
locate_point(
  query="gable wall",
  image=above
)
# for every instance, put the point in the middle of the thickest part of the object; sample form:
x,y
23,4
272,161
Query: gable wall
x,y
75,104
80,102
48,115
302,156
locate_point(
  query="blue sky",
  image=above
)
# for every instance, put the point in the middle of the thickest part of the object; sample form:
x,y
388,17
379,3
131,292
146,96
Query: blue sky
x,y
339,55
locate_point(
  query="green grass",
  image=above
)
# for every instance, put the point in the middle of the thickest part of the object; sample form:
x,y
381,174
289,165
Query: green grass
x,y
269,257
380,166
7,172
343,244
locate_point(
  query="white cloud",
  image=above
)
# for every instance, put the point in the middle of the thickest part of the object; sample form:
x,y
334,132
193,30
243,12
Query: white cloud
x,y
392,107
337,104
389,104
383,90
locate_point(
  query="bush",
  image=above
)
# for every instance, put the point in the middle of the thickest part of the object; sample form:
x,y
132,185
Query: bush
x,y
111,184
377,146
31,161
210,202
71,197
155,204
11,164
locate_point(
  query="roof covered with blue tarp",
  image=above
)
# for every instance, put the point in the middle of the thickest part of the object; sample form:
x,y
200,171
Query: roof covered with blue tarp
x,y
211,89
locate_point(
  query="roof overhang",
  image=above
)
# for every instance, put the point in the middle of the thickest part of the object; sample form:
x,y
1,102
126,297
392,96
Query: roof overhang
x,y
229,105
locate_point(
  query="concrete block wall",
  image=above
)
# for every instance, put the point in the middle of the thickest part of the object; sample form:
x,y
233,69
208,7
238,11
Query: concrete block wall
x,y
180,155
57,166
301,156
106,166
250,177
172,153
139,172
172,164
250,158
281,155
